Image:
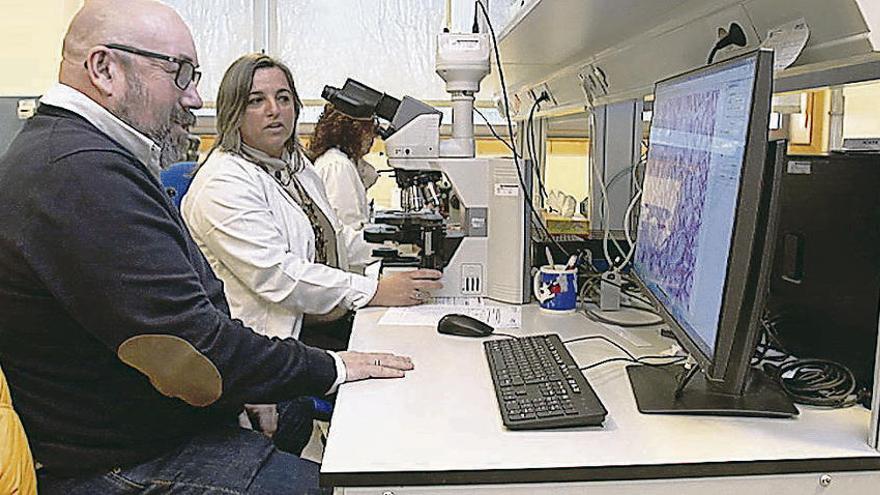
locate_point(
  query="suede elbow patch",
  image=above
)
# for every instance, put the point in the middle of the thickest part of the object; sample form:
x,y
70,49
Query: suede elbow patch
x,y
175,368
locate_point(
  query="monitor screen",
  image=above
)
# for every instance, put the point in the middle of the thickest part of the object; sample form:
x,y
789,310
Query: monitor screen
x,y
691,189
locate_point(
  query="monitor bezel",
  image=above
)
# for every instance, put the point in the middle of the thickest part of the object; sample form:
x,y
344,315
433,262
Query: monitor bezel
x,y
743,294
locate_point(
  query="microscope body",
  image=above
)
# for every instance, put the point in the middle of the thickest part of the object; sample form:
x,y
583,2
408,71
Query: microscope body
x,y
485,240
466,216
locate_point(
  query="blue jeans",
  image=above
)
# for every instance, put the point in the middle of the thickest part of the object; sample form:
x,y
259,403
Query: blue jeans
x,y
230,460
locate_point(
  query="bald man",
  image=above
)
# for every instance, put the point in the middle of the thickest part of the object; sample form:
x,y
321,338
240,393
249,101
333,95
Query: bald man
x,y
124,365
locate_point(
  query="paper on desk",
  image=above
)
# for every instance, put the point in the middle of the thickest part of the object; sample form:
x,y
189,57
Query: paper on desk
x,y
457,301
787,42
430,314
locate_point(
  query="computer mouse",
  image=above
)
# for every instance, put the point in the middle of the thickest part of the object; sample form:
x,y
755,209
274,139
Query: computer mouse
x,y
464,326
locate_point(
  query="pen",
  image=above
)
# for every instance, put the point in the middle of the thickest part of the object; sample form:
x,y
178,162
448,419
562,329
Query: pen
x,y
549,256
571,262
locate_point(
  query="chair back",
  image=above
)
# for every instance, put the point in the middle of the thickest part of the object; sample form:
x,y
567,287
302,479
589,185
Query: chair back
x,y
176,180
17,474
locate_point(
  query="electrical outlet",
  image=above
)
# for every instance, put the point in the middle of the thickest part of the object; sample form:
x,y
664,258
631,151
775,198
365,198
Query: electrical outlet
x,y
546,88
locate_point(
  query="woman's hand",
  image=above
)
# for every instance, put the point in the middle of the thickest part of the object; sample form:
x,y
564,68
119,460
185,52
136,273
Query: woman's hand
x,y
406,288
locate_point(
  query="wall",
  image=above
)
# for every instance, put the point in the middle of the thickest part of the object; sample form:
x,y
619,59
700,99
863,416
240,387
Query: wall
x,y
861,117
31,32
568,167
810,131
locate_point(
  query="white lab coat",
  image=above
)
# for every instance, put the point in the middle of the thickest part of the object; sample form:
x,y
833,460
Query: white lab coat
x,y
345,191
260,243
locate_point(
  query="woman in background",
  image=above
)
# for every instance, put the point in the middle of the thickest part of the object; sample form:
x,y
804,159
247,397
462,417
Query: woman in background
x,y
337,149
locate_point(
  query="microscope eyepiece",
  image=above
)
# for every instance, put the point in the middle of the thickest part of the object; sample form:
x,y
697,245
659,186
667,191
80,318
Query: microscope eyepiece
x,y
329,93
361,102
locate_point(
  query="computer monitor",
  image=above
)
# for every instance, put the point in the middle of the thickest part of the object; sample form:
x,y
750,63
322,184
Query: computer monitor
x,y
704,244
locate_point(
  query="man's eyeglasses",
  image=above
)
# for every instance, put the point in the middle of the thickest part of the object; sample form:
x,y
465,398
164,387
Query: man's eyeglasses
x,y
186,70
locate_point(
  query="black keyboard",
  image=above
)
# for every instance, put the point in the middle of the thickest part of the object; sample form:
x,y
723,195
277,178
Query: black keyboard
x,y
539,385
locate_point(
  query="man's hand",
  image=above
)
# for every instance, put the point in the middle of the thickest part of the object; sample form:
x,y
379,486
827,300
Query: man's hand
x,y
363,365
406,288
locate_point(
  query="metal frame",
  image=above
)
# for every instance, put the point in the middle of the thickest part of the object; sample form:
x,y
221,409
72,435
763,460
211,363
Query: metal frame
x,y
616,145
874,434
265,26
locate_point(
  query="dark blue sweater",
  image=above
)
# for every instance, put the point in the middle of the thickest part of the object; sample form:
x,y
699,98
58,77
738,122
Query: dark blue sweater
x,y
97,270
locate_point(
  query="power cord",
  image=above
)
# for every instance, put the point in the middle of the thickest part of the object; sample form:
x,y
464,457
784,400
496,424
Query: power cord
x,y
594,316
677,360
810,381
630,357
532,146
591,283
625,324
492,130
769,348
516,156
816,382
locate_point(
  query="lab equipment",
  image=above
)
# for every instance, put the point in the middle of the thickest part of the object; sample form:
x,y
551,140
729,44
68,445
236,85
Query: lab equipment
x,y
463,215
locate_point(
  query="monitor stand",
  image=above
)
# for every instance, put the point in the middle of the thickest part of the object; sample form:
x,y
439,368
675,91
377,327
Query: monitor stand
x,y
655,387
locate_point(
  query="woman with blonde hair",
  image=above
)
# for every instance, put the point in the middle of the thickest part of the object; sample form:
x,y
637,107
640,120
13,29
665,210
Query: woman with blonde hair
x,y
259,213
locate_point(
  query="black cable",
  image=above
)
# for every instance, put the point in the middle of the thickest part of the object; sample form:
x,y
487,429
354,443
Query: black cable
x,y
712,55
629,356
592,315
516,156
769,343
773,336
677,360
602,338
502,334
606,361
532,146
492,130
622,288
650,308
817,382
811,381
626,324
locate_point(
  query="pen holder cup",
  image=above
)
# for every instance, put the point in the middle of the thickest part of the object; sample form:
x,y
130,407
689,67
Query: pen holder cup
x,y
555,288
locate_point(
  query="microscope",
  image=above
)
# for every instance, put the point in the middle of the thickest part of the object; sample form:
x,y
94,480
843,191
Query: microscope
x,y
465,216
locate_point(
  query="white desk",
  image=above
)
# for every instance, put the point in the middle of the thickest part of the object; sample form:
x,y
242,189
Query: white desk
x,y
441,426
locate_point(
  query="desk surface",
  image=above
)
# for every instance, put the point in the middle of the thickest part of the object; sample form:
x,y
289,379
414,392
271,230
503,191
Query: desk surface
x,y
441,423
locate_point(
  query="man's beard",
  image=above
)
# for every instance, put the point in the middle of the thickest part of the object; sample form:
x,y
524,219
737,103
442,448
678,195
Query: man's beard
x,y
172,145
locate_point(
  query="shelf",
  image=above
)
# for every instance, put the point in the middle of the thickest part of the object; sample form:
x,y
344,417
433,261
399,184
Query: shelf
x,y
548,35
637,42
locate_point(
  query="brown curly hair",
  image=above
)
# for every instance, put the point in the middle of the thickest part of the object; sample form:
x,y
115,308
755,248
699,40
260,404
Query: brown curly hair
x,y
335,129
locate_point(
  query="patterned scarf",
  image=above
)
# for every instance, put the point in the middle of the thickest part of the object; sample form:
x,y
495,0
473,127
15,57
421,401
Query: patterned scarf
x,y
285,174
